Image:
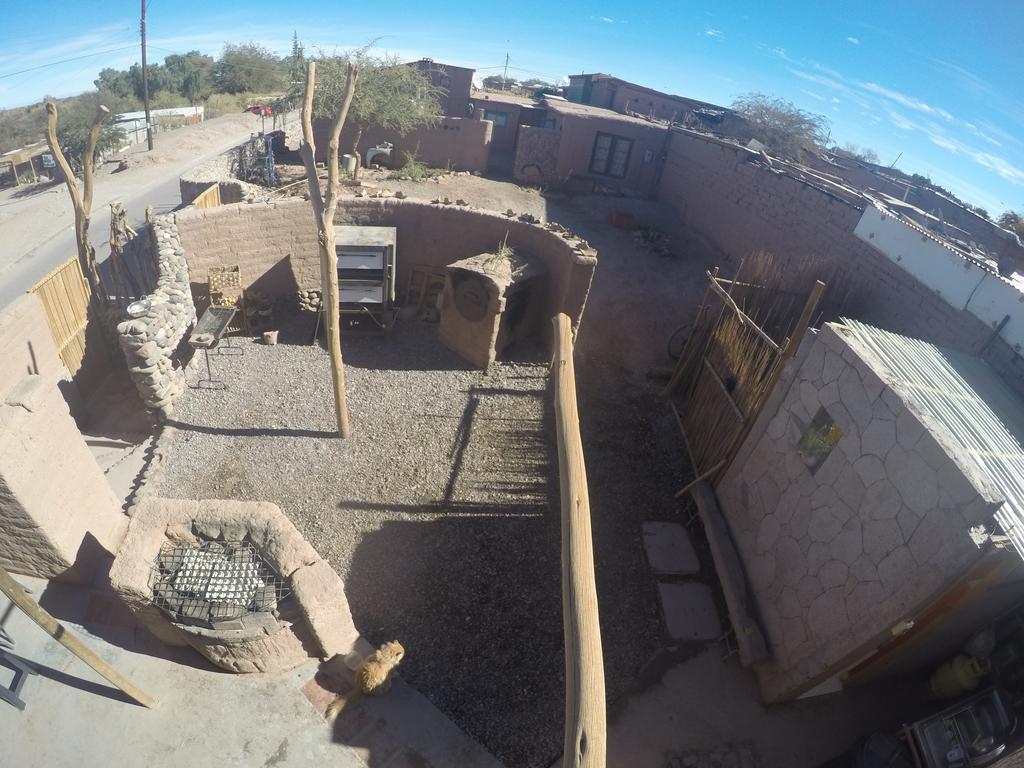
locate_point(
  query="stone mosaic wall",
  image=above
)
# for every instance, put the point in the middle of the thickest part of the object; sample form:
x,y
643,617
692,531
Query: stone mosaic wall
x,y
838,556
151,343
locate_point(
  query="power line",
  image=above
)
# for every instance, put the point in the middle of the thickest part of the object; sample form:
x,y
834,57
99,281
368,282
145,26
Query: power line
x,y
65,61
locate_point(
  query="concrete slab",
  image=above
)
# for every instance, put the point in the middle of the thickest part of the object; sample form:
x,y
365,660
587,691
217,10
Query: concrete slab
x,y
204,718
669,549
689,611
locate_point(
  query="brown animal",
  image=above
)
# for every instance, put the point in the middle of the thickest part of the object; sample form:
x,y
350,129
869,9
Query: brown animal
x,y
373,676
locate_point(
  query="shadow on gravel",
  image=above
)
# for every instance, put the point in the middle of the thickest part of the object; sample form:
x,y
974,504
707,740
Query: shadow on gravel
x,y
251,431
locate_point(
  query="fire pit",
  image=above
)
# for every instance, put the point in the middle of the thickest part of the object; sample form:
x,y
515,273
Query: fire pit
x,y
217,586
235,580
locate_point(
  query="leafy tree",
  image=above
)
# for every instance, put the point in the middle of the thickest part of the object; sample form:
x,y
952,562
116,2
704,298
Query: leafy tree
x,y
783,127
193,68
391,95
192,87
115,81
1012,221
980,211
498,83
248,67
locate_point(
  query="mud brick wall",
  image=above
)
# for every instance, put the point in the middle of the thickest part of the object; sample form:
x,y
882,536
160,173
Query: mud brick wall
x,y
536,159
151,344
838,554
458,143
731,198
274,244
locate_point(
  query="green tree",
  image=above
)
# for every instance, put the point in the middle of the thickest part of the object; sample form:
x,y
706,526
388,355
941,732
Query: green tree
x,y
248,67
498,83
1012,221
195,67
116,82
192,87
391,95
780,125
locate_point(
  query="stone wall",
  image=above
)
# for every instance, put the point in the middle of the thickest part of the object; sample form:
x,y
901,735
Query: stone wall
x,y
536,159
220,171
274,244
730,197
153,345
838,553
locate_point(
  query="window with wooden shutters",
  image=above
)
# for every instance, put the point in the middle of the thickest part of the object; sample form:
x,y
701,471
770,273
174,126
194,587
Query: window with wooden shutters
x,y
611,155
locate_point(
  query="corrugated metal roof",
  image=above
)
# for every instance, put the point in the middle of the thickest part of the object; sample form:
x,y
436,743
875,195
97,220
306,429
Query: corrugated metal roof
x,y
966,396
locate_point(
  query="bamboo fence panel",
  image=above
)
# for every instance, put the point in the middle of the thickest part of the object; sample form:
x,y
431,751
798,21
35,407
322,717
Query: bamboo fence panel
x,y
745,332
208,198
67,303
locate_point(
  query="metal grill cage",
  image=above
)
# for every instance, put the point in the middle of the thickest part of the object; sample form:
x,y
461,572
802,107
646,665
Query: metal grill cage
x,y
215,582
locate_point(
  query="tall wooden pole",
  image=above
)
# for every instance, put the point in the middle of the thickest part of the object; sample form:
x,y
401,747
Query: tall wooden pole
x,y
81,203
585,717
323,211
145,78
60,633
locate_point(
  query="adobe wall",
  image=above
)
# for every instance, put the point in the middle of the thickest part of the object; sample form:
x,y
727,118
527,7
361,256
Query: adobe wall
x,y
458,143
729,196
838,553
274,243
220,171
58,514
576,146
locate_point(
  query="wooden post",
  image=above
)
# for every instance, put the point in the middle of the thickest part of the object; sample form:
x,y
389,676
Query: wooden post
x,y
585,718
323,211
81,203
62,635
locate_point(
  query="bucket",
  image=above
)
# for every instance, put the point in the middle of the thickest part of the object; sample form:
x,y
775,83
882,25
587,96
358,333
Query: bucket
x,y
270,338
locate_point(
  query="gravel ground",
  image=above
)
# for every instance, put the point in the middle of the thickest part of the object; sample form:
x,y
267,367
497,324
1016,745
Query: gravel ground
x,y
441,512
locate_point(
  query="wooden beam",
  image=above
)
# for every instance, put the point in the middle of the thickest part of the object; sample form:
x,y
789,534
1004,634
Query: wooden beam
x,y
750,640
62,635
585,717
747,321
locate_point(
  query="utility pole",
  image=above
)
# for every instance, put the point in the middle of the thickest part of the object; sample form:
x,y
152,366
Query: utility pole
x,y
145,79
504,77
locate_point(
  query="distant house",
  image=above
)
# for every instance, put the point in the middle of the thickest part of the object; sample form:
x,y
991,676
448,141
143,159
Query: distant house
x,y
507,112
457,82
590,147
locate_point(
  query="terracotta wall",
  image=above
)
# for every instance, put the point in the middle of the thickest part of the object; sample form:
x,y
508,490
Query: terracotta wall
x,y
724,193
462,144
576,147
275,244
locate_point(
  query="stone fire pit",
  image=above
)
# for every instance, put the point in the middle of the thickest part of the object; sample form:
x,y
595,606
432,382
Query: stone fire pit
x,y
233,579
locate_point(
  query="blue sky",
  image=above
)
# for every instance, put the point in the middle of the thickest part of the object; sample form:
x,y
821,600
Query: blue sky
x,y
937,84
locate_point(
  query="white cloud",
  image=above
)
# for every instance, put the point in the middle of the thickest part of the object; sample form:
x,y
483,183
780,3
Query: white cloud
x,y
813,95
999,165
853,41
907,101
901,122
608,20
717,34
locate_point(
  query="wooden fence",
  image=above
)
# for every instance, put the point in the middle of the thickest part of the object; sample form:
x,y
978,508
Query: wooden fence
x,y
67,302
585,718
731,362
209,197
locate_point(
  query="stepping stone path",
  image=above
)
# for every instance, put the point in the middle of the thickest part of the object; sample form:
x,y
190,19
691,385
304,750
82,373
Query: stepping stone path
x,y
690,613
669,550
688,607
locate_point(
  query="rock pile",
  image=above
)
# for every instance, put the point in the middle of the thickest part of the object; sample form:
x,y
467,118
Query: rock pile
x,y
149,342
309,301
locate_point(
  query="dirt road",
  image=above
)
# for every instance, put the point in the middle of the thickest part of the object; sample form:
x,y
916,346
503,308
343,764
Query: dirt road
x,y
37,221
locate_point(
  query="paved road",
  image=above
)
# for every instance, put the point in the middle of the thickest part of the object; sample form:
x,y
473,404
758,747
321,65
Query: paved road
x,y
52,240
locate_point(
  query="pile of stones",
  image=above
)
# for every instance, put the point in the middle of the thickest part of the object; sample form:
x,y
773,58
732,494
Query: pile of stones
x,y
309,301
149,342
